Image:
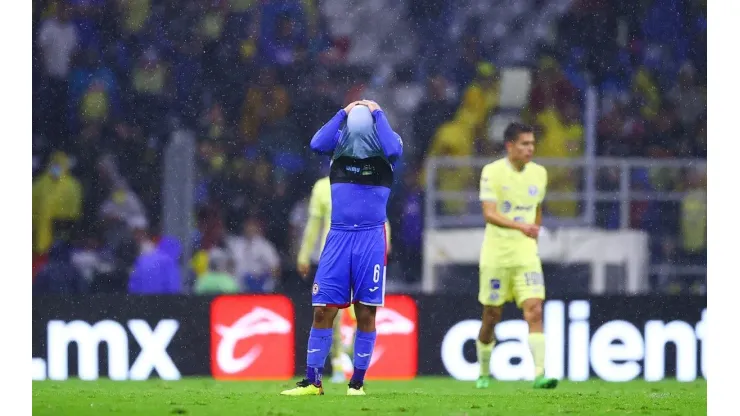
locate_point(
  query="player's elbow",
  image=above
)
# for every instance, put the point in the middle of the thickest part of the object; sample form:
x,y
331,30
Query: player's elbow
x,y
491,219
497,220
323,142
489,215
397,152
396,145
315,144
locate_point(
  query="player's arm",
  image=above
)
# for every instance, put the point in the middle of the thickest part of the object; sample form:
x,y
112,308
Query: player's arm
x,y
311,234
325,140
489,199
492,216
388,236
538,218
389,140
313,227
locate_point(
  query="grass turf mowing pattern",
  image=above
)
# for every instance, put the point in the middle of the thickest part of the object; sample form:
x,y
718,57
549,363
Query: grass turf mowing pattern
x,y
423,396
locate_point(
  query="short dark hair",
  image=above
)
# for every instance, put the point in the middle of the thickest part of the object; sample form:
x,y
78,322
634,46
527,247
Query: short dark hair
x,y
513,130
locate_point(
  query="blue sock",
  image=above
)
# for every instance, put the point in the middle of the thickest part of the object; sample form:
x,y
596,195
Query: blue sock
x,y
319,344
364,344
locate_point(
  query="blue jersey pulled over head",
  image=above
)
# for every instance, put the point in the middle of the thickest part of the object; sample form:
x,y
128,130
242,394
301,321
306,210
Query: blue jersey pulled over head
x,y
364,150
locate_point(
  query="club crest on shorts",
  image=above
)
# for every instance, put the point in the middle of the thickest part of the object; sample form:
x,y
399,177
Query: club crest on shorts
x,y
532,190
315,288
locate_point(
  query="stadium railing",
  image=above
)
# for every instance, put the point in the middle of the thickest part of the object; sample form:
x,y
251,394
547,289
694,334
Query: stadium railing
x,y
590,187
587,194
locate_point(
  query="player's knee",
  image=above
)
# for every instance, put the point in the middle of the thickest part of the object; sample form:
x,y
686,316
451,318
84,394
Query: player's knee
x,y
533,311
491,315
365,316
323,317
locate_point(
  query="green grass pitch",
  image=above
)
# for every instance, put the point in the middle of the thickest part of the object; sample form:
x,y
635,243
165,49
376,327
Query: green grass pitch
x,y
423,396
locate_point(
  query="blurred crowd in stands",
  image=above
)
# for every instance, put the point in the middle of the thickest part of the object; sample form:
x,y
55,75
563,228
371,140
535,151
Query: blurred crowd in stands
x,y
254,79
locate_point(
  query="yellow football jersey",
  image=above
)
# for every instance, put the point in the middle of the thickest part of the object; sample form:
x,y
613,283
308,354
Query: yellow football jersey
x,y
517,196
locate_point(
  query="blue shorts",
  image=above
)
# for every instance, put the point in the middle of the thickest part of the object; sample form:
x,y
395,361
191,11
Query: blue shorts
x,y
351,269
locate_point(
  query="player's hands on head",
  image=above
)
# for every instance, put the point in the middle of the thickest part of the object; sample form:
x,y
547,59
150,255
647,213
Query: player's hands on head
x,y
303,270
531,230
372,105
351,105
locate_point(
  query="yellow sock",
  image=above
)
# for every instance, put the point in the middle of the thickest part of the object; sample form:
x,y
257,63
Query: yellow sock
x,y
484,357
537,346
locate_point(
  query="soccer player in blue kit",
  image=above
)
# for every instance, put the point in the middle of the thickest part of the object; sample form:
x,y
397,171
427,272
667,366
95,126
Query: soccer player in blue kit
x,y
364,149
